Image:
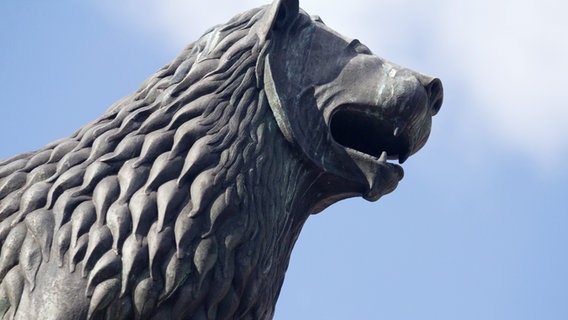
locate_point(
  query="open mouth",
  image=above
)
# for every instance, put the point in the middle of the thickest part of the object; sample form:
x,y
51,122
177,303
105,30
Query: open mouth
x,y
358,128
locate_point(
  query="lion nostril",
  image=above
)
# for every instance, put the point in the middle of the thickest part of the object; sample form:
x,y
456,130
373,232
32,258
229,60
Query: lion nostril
x,y
435,92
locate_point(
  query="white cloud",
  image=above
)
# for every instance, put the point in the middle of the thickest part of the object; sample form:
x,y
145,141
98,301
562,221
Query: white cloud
x,y
510,56
513,54
173,22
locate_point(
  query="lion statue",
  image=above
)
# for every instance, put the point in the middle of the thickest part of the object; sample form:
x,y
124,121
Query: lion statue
x,y
184,200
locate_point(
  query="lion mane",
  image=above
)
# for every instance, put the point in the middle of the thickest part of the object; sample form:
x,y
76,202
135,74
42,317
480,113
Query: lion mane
x,y
146,202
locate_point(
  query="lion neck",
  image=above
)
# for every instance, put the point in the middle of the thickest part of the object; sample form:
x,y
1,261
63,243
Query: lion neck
x,y
259,222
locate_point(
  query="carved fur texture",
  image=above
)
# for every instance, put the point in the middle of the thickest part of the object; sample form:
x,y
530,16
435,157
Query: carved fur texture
x,y
184,200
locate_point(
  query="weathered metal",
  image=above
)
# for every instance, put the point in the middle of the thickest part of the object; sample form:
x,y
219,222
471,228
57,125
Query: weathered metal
x,y
185,199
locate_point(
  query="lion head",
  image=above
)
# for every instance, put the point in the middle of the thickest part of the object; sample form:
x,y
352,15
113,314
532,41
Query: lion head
x,y
184,200
347,109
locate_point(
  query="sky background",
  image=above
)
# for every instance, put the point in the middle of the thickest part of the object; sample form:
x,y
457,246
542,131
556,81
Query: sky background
x,y
477,228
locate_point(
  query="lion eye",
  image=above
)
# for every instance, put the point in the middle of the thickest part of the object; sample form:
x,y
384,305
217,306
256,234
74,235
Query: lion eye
x,y
359,48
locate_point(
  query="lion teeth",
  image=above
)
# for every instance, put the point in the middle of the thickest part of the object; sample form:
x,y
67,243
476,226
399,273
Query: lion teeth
x,y
383,157
396,132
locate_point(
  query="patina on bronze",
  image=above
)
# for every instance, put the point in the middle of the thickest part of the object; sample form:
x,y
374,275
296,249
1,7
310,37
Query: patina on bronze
x,y
184,200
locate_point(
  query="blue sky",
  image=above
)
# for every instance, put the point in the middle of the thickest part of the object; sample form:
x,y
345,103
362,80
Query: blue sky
x,y
476,230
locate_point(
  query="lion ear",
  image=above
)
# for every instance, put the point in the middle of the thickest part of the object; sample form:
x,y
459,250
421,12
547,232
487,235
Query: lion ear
x,y
279,15
286,12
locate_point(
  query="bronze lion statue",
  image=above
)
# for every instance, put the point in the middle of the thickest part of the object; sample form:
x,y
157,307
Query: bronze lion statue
x,y
184,200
